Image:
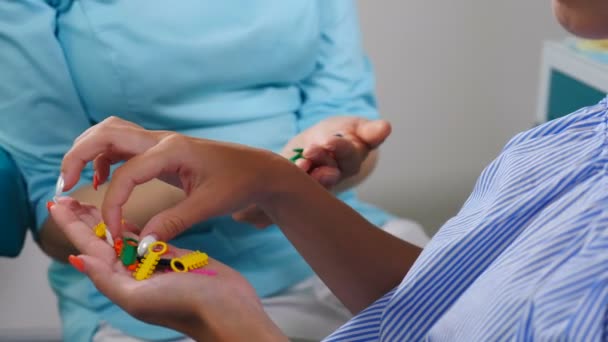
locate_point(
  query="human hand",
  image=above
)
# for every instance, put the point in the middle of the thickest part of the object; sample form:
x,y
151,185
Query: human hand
x,y
218,178
334,151
221,307
335,148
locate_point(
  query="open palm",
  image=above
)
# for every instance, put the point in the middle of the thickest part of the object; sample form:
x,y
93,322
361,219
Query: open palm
x,y
176,300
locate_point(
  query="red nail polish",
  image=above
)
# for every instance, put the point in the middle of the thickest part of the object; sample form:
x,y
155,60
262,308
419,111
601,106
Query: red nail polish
x,y
77,263
95,181
49,205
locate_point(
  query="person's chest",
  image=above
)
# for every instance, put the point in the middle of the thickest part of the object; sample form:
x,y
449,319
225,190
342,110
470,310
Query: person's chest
x,y
135,56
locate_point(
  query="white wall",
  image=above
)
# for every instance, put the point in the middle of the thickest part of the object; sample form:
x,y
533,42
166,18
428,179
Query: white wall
x,y
456,78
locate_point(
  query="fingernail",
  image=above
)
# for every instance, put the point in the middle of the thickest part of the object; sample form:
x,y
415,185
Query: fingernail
x,y
144,243
95,181
109,237
59,186
49,205
77,263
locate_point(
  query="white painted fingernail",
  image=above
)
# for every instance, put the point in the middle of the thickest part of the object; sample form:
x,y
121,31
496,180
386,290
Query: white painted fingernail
x,y
142,248
109,238
59,187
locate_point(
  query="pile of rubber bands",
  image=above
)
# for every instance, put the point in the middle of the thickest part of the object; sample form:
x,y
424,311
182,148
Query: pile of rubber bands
x,y
145,257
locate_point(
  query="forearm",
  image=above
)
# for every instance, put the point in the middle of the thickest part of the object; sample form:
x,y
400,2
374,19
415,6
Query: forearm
x,y
355,259
147,200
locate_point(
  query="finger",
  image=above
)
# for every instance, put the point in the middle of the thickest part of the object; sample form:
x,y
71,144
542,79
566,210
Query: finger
x,y
138,170
130,227
318,155
167,157
243,214
206,200
326,176
68,201
373,133
85,133
112,121
173,155
348,154
127,140
79,233
87,213
171,222
304,164
103,162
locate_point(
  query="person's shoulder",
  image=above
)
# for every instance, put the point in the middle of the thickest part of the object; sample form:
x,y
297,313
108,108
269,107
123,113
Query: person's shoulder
x,y
587,119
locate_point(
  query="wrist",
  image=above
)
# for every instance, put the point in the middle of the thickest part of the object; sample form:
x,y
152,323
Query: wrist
x,y
246,323
280,180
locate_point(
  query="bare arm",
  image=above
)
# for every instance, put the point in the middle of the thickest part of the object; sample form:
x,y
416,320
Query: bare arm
x,y
358,261
355,259
147,200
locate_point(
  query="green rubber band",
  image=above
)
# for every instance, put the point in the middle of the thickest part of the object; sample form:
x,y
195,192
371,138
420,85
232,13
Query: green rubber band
x,y
129,252
298,154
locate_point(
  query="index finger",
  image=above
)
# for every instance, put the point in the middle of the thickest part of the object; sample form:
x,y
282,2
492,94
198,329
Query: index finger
x,y
112,142
348,153
140,169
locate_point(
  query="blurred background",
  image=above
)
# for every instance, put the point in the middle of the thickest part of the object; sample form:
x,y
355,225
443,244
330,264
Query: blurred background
x,y
456,78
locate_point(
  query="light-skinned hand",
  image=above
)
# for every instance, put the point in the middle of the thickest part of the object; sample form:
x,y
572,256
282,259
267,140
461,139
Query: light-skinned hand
x,y
223,307
334,151
218,178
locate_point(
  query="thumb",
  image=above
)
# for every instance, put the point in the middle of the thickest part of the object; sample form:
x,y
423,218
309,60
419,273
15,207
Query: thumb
x,y
373,133
171,222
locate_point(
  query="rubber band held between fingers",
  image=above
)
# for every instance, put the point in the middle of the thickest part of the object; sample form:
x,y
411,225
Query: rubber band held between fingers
x,y
298,154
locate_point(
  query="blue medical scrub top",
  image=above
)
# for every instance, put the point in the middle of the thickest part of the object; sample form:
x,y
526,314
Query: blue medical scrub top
x,y
251,72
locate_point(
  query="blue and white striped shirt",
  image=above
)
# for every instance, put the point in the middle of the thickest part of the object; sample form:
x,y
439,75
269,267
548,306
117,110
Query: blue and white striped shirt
x,y
525,259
